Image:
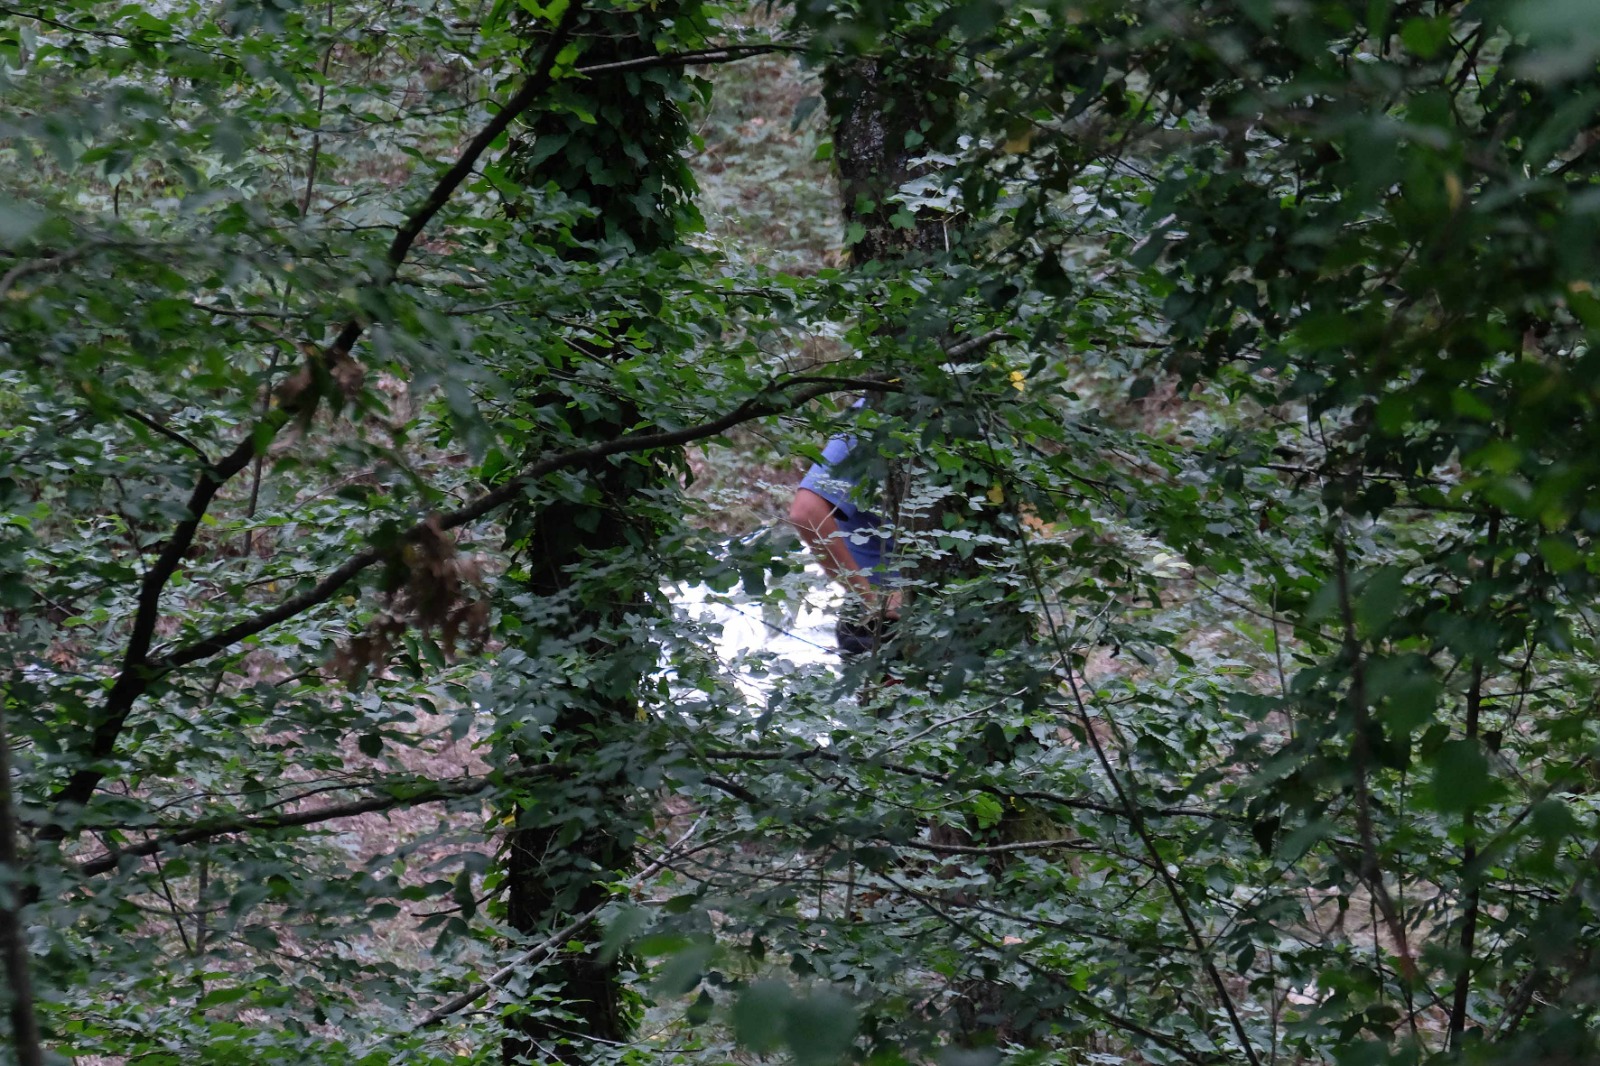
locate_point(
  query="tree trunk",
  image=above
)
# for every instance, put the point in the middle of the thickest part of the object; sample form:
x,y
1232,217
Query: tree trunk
x,y
876,107
577,836
13,931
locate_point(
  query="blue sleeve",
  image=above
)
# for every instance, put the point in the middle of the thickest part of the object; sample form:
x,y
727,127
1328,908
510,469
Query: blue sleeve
x,y
821,480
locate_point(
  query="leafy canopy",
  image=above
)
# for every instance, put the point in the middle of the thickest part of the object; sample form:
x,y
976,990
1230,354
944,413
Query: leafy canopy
x,y
1254,375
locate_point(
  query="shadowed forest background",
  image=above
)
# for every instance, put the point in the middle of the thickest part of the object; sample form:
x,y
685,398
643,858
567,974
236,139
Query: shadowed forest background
x,y
400,405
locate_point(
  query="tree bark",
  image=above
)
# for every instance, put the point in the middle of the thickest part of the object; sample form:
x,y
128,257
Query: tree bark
x,y
882,113
24,1022
575,837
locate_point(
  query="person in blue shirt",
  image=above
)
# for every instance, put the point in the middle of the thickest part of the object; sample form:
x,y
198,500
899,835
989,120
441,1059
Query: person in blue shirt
x,y
849,543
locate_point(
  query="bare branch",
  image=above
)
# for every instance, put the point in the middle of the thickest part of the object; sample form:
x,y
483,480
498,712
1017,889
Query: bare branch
x,y
972,344
246,312
703,57
999,849
953,782
1370,868
38,266
167,432
484,505
137,671
404,793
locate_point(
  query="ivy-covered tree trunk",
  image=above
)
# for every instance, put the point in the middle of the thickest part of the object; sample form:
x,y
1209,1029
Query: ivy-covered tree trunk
x,y
612,146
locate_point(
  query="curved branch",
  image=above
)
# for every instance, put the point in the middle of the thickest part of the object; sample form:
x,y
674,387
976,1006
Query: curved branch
x,y
135,676
952,781
157,426
488,503
407,793
137,671
411,229
39,266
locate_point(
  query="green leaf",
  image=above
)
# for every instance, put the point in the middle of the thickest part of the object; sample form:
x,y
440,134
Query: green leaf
x,y
1561,552
683,969
820,1028
987,811
803,109
759,1016
1378,600
961,1056
1461,778
1424,37
699,1011
1302,839
19,220
219,996
1406,692
1552,820
1378,18
624,927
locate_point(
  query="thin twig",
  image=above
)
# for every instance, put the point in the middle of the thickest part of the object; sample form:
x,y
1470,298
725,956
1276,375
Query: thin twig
x,y
316,134
401,794
954,782
702,57
247,312
167,432
1469,831
1370,869
936,908
1130,807
172,905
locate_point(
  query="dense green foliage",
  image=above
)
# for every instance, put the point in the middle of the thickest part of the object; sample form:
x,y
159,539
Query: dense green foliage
x,y
1236,357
